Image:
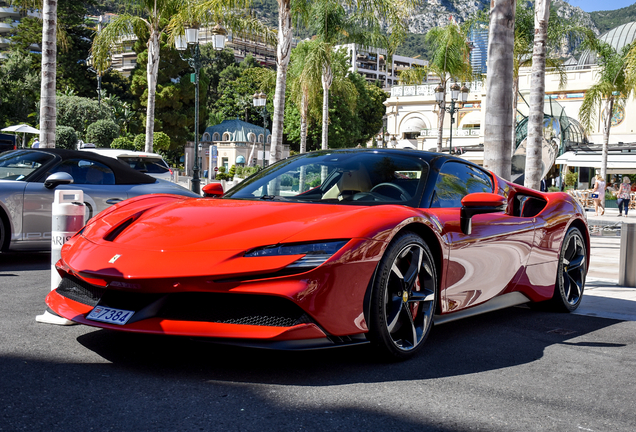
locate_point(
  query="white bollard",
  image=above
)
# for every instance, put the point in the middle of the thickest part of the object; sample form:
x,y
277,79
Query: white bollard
x,y
68,217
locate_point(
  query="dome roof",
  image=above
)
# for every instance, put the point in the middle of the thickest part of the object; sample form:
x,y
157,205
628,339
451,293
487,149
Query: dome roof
x,y
618,37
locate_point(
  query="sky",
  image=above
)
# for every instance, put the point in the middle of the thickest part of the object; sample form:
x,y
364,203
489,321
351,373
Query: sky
x,y
596,5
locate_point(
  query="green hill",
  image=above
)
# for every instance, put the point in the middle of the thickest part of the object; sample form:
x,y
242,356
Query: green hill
x,y
606,20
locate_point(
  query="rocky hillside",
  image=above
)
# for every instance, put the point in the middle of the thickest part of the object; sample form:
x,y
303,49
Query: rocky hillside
x,y
438,12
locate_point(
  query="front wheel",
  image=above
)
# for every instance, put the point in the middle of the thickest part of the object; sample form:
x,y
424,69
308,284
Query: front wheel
x,y
403,298
571,273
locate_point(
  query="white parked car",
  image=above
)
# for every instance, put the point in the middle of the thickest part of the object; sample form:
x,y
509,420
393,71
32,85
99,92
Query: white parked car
x,y
148,163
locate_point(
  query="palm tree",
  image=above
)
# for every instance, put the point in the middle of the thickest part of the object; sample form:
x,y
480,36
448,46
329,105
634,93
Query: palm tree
x,y
301,88
449,61
533,170
393,13
610,91
48,109
154,19
499,124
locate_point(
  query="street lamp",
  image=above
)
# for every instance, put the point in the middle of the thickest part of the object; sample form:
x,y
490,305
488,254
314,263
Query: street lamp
x,y
90,63
259,100
456,93
191,39
384,122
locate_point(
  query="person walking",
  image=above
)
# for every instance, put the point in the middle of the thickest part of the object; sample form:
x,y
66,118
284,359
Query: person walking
x,y
623,196
598,194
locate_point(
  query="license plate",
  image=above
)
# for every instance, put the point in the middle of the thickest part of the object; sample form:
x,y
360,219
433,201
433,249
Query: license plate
x,y
110,315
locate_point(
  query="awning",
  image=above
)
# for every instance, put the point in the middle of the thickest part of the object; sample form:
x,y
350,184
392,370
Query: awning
x,y
471,118
617,163
406,144
21,128
414,124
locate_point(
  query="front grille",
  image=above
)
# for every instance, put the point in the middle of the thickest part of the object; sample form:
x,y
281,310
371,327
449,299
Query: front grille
x,y
233,309
80,291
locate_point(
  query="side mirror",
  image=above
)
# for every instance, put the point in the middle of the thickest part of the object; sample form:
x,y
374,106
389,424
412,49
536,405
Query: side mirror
x,y
56,179
479,203
214,190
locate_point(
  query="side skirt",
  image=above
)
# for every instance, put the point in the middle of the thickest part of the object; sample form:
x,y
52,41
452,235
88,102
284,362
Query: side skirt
x,y
499,302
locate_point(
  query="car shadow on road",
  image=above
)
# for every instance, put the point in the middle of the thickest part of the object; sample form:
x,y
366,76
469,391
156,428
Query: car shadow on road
x,y
497,340
23,261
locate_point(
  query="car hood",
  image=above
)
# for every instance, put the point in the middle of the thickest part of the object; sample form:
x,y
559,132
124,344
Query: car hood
x,y
209,224
194,236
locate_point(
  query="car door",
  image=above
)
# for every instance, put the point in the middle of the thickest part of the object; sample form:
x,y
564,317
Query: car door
x,y
491,259
96,180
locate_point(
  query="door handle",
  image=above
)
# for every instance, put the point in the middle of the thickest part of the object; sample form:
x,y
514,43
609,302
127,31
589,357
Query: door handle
x,y
113,201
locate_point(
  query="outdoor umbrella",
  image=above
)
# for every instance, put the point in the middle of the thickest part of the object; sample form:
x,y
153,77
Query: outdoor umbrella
x,y
23,129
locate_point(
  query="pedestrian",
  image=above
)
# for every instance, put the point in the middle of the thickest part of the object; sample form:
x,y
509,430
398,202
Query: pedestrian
x,y
544,185
598,194
623,196
36,144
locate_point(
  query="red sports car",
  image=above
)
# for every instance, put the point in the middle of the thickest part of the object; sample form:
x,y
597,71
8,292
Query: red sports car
x,y
328,248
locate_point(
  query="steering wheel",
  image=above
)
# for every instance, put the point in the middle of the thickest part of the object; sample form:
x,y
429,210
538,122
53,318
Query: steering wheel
x,y
405,196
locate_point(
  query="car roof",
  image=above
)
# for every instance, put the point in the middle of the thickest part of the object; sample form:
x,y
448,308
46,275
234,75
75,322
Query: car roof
x,y
123,173
111,152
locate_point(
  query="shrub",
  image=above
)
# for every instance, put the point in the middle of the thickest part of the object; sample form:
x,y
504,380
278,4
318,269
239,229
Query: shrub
x,y
570,178
221,175
140,142
232,172
102,132
65,137
123,143
79,112
160,142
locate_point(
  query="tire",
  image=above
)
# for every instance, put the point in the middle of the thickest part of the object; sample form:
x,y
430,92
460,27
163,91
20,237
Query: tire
x,y
571,272
5,232
403,298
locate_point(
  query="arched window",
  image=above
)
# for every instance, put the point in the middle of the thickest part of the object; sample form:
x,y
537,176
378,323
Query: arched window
x,y
216,136
226,136
260,138
269,139
251,137
206,137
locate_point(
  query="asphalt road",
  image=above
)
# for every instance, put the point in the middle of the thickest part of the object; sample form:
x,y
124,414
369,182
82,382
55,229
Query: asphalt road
x,y
511,370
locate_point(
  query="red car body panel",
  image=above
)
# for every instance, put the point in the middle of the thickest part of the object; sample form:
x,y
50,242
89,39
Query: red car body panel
x,y
185,245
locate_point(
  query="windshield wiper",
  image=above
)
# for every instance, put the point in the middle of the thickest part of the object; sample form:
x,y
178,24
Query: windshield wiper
x,y
268,197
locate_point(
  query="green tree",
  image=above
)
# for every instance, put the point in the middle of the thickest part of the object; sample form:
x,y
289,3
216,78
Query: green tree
x,y
450,50
19,89
102,132
123,143
79,112
610,92
65,137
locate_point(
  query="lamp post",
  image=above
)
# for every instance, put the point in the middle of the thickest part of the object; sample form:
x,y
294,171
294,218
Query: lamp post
x,y
457,93
191,39
91,67
259,100
384,121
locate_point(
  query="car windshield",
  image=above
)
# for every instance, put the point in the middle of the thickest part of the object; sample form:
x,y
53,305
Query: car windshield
x,y
18,164
148,165
352,177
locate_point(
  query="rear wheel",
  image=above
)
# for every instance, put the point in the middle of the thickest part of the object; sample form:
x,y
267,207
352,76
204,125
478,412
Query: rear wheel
x,y
403,298
5,233
568,290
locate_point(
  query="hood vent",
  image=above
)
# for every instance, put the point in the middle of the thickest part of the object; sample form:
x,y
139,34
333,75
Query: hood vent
x,y
116,231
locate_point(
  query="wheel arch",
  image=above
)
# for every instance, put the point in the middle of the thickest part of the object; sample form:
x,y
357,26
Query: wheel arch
x,y
6,224
582,227
428,235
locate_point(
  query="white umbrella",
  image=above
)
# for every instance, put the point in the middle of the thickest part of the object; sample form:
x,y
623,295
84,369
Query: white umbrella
x,y
23,129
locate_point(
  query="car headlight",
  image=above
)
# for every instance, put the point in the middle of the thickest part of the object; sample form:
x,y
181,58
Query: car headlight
x,y
315,253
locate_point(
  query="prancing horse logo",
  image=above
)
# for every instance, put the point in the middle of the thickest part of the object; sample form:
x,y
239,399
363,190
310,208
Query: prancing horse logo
x,y
113,259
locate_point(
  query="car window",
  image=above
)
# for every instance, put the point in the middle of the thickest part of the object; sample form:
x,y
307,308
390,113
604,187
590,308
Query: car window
x,y
342,177
147,165
455,181
86,171
16,165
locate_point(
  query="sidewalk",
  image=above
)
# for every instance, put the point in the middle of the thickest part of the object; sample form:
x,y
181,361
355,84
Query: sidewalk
x,y
603,296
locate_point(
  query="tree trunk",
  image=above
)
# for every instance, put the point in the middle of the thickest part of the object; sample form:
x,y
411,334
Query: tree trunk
x,y
283,52
498,127
304,109
440,124
533,172
515,101
48,110
327,79
607,124
151,75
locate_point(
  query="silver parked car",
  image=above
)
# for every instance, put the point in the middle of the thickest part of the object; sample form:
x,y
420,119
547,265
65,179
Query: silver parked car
x,y
29,176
